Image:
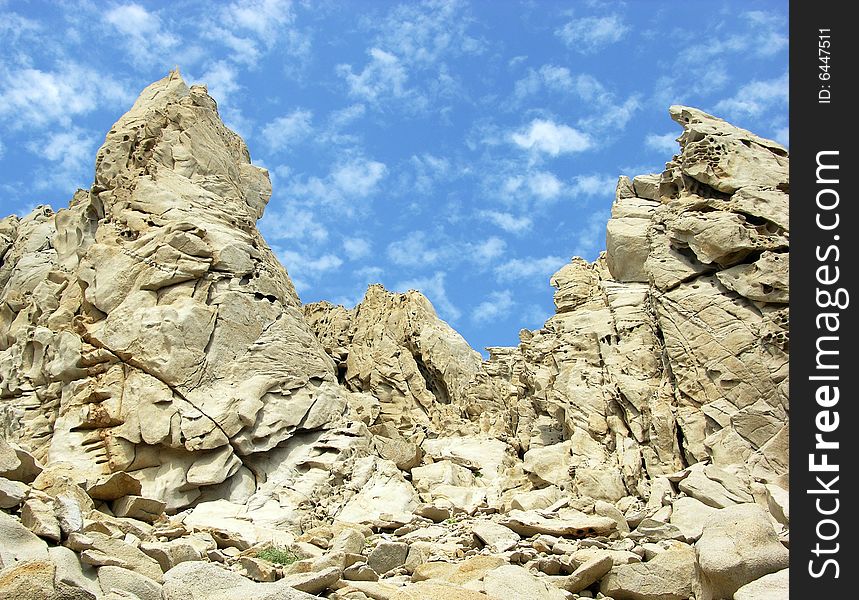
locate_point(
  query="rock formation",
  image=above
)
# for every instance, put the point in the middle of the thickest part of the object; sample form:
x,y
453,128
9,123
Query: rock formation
x,y
174,423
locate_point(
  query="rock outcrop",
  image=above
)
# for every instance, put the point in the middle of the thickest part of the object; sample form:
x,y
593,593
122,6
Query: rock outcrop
x,y
175,423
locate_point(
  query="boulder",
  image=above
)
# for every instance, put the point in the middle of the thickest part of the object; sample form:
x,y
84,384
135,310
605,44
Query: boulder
x,y
101,550
112,486
529,523
12,493
119,580
138,507
588,573
738,545
314,582
498,538
436,591
387,556
775,586
689,516
208,581
512,581
71,572
29,580
37,515
19,544
668,576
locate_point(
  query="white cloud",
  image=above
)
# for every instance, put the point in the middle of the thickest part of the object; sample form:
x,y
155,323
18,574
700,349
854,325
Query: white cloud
x,y
507,221
497,306
545,185
357,248
589,34
32,98
263,18
414,250
70,153
253,28
221,79
550,77
426,33
488,250
664,144
303,268
142,33
290,222
358,177
593,185
345,116
353,179
285,131
550,138
428,169
755,97
434,289
529,268
383,76
535,315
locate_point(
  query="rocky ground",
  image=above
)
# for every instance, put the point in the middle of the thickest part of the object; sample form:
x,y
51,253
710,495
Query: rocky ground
x,y
175,423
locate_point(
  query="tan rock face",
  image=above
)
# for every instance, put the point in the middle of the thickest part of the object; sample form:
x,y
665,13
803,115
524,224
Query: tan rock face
x,y
156,333
154,357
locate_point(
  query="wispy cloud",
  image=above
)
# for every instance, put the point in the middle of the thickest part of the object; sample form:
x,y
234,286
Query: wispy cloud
x,y
433,288
355,178
145,37
593,185
664,144
292,222
589,34
69,153
498,305
428,169
529,268
547,137
415,250
34,98
755,98
383,76
507,221
263,18
427,33
285,131
487,251
304,268
357,248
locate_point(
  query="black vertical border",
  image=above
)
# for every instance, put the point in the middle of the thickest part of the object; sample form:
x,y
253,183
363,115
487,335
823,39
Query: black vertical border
x,y
814,127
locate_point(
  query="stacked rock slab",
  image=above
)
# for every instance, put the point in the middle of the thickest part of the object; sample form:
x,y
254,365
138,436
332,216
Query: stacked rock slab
x,y
169,410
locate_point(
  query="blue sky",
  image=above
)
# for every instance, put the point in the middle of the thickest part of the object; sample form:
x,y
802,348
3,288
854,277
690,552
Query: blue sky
x,y
466,149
